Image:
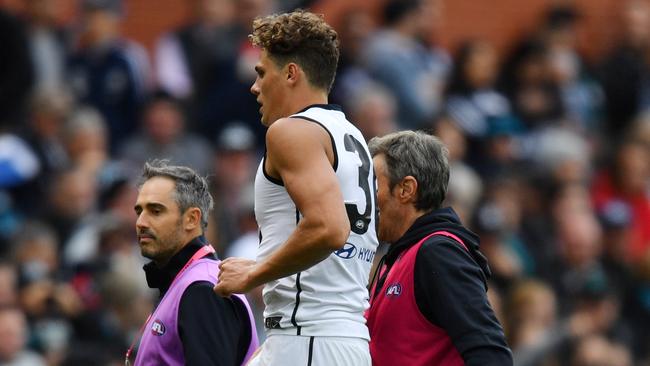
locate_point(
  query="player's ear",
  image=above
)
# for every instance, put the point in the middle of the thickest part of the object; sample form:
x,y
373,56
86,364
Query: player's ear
x,y
292,73
408,189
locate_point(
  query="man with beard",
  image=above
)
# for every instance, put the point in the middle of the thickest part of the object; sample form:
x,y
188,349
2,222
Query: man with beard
x,y
191,324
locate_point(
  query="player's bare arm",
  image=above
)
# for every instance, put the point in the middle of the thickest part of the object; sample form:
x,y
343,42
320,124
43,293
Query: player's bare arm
x,y
299,153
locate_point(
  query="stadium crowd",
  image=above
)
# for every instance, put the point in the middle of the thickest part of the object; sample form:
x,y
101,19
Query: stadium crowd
x,y
550,160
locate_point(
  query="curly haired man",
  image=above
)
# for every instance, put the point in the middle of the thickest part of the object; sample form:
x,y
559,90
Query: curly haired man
x,y
315,203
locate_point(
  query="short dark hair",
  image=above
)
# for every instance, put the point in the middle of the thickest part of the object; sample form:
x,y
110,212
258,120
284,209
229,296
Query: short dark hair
x,y
420,155
301,37
191,189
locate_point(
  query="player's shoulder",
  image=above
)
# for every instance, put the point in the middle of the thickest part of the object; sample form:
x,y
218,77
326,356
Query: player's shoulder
x,y
294,129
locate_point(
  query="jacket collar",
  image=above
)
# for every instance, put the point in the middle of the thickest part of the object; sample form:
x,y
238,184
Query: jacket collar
x,y
161,278
440,219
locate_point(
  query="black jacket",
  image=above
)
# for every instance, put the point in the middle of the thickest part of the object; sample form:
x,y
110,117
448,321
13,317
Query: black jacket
x,y
213,330
450,287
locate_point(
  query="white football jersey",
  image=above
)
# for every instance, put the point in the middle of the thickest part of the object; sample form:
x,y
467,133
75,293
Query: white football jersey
x,y
328,299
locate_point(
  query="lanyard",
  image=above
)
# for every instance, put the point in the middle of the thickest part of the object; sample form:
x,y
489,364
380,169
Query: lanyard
x,y
202,252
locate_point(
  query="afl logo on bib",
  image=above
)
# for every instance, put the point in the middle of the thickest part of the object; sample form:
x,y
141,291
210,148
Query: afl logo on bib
x,y
394,289
157,328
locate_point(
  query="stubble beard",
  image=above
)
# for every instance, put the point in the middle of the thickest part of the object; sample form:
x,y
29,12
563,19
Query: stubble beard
x,y
161,249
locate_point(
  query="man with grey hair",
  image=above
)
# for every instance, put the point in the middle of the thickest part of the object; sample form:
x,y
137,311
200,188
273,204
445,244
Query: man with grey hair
x,y
433,278
190,324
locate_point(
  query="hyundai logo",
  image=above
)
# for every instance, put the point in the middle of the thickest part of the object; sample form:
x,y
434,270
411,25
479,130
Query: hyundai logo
x,y
157,328
348,251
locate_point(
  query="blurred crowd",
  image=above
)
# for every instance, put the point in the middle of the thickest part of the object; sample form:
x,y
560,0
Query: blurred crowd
x,y
550,156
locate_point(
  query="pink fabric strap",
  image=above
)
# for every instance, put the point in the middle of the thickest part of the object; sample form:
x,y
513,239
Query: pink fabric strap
x,y
447,234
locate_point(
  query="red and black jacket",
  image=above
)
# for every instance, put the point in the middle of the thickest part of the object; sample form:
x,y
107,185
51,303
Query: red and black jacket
x,y
449,285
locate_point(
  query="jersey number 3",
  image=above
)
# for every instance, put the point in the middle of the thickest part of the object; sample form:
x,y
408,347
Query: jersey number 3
x,y
359,221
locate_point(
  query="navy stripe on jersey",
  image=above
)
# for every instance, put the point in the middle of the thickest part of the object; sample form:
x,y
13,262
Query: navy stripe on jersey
x,y
335,165
330,107
311,350
295,308
269,177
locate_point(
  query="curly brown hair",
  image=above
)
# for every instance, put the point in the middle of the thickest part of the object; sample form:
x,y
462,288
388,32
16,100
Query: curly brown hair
x,y
301,37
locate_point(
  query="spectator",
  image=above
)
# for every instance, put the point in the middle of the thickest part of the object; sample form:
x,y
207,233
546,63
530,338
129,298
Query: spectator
x,y
526,80
50,109
189,60
582,98
49,43
163,135
624,71
465,185
396,57
16,74
472,100
13,332
71,199
372,110
245,246
8,283
107,71
48,300
355,28
234,167
200,63
498,222
597,350
539,336
626,178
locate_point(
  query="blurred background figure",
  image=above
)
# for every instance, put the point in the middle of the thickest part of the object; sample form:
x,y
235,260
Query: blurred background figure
x,y
44,293
399,57
372,110
207,64
50,109
189,60
626,178
581,97
245,246
597,350
71,200
16,73
163,135
625,69
85,140
49,43
354,30
498,221
108,71
465,185
14,333
235,161
482,112
472,100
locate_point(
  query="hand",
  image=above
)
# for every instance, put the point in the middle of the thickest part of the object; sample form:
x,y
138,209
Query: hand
x,y
234,276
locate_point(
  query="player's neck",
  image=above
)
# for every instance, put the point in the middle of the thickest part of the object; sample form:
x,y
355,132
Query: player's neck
x,y
307,97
